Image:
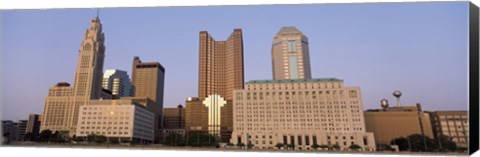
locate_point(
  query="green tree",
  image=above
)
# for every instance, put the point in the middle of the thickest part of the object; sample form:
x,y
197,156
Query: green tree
x,y
315,146
250,145
291,146
324,146
446,143
240,145
415,143
354,147
45,135
279,145
336,147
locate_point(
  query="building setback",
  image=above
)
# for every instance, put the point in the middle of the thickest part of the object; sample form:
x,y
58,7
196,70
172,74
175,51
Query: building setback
x,y
290,55
299,112
453,124
118,82
220,72
395,122
62,103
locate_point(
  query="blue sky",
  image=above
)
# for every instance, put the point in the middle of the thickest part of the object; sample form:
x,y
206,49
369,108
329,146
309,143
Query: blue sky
x,y
417,48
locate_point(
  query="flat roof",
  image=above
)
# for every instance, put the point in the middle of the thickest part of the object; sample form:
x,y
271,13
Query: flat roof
x,y
295,80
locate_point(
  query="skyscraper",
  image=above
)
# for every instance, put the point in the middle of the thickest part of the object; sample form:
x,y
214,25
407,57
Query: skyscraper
x,y
290,55
220,72
62,103
118,82
148,79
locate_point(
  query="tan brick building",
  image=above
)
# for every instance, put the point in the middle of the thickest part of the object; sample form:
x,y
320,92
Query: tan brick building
x,y
394,122
300,112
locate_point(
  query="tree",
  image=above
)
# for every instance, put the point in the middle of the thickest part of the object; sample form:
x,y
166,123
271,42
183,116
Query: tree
x,y
336,147
417,143
315,146
446,143
101,139
250,145
291,146
45,135
240,145
279,145
324,146
354,147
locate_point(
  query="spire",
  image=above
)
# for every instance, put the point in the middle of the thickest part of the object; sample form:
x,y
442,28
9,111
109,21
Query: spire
x,y
98,13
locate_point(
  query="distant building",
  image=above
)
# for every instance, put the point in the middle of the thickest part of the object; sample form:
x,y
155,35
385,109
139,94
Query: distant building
x,y
174,120
148,79
122,120
33,125
196,115
22,129
453,124
395,122
300,112
290,55
118,82
10,131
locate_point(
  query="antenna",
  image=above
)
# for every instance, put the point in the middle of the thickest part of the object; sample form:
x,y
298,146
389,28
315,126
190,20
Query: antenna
x,y
98,12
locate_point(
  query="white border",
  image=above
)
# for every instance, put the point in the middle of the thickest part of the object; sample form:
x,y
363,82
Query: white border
x,y
53,152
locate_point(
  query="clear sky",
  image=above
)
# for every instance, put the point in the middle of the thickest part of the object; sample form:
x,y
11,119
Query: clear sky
x,y
420,49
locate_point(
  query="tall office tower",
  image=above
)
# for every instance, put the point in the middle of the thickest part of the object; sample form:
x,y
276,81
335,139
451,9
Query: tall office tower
x,y
62,103
220,72
118,82
148,79
33,125
300,113
290,55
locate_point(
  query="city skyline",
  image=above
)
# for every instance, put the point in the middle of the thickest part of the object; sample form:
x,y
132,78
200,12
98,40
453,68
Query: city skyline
x,y
181,79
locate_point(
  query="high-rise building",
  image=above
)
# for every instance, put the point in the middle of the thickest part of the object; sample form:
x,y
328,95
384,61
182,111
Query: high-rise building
x,y
174,120
148,79
290,55
118,82
62,103
395,122
220,72
300,112
22,129
452,124
33,125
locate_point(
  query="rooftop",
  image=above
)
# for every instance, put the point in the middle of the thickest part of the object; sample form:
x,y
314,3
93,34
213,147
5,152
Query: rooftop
x,y
288,30
295,80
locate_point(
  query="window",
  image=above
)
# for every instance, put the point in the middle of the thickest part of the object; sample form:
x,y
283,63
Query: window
x,y
291,46
299,140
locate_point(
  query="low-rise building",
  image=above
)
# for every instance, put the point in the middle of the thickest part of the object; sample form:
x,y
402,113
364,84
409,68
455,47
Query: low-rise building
x,y
453,124
395,122
300,113
122,120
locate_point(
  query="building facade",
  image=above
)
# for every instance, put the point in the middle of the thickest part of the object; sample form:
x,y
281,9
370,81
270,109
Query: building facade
x,y
33,125
290,55
300,112
148,79
10,131
220,72
395,122
124,119
62,103
22,129
118,82
453,124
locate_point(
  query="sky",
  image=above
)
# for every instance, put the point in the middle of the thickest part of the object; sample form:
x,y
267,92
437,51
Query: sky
x,y
420,49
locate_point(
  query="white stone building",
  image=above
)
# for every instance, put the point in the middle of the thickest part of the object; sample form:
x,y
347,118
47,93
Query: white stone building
x,y
299,112
125,121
